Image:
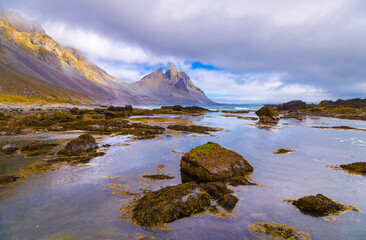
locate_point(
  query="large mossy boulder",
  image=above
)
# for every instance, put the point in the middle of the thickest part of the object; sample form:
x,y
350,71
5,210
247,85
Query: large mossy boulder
x,y
319,205
169,204
265,114
9,148
81,144
211,162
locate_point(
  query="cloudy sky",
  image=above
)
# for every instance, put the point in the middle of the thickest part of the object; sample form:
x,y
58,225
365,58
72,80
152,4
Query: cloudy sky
x,y
236,51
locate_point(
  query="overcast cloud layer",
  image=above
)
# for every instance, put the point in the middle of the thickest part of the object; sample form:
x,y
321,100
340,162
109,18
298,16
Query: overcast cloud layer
x,y
261,51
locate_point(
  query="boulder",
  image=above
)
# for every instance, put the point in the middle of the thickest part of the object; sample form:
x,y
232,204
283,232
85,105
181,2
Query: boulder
x,y
267,115
318,206
169,204
81,144
9,148
211,162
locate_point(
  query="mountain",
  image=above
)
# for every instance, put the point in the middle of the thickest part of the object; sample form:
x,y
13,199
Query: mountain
x,y
172,87
35,68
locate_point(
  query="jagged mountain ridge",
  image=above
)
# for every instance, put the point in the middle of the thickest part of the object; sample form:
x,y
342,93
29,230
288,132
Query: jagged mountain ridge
x,y
172,86
37,66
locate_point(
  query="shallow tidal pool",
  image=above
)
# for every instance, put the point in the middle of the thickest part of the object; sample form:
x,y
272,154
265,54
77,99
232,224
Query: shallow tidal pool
x,y
77,203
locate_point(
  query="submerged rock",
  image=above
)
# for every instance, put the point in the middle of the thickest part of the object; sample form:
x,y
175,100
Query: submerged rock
x,y
277,231
355,168
267,115
8,179
169,204
35,148
211,162
83,143
319,205
192,128
220,192
9,148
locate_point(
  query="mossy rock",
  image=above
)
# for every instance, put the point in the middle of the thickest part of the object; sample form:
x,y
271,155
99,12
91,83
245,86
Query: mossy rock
x,y
219,191
277,231
265,114
355,168
169,204
319,205
8,179
283,151
9,148
211,162
192,128
157,177
83,143
35,148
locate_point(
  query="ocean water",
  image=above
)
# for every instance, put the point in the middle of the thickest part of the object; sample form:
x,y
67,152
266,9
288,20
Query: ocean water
x,y
76,203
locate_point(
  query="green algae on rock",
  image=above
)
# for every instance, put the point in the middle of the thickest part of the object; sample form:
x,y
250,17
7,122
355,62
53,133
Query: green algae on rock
x,y
83,143
157,177
35,148
283,151
355,168
170,203
267,115
320,206
6,180
192,128
277,231
211,162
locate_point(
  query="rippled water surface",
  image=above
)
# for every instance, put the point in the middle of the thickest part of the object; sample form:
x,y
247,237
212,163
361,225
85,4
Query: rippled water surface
x,y
77,202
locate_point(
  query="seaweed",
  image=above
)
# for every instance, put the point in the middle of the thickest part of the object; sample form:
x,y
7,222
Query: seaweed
x,y
277,231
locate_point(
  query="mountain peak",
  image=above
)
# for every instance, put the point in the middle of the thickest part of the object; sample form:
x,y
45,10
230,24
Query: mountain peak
x,y
171,71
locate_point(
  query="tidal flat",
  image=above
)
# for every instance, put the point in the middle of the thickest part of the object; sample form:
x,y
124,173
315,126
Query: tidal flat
x,y
93,200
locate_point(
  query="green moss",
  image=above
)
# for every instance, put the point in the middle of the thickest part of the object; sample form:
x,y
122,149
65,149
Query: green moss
x,y
207,148
192,129
278,231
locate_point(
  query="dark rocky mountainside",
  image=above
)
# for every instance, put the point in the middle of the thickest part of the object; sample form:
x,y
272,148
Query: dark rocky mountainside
x,y
35,68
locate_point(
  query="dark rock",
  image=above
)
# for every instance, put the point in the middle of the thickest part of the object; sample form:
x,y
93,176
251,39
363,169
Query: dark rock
x,y
177,108
318,206
355,103
355,168
9,148
169,204
292,105
83,143
283,151
128,108
7,179
211,162
228,201
267,115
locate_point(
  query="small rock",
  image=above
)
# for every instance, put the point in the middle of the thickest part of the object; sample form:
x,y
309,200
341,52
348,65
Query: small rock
x,y
9,148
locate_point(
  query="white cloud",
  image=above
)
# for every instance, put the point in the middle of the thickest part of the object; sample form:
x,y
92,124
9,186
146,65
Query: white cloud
x,y
253,88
